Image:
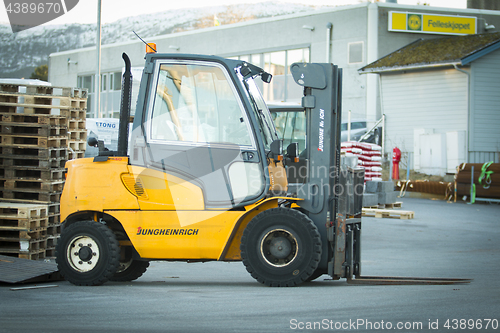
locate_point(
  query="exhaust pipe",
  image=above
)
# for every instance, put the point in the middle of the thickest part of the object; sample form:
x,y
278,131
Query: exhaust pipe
x,y
125,108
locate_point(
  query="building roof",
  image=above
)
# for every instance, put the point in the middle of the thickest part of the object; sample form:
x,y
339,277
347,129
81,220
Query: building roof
x,y
437,52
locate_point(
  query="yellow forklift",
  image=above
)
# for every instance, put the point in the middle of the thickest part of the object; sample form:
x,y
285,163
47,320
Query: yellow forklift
x,y
202,176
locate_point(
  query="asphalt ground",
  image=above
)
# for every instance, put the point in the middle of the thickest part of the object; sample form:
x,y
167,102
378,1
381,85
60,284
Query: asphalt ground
x,y
442,240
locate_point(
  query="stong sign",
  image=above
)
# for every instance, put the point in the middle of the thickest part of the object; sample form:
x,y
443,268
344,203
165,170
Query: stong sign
x,y
432,24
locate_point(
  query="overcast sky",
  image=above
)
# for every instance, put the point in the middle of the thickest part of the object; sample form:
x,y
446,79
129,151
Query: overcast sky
x,y
112,10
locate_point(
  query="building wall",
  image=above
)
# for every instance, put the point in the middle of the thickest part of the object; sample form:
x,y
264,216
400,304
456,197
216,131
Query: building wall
x,y
426,102
485,109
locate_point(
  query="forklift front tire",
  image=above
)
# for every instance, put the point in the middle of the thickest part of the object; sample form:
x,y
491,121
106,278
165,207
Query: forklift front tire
x,y
130,270
316,274
281,247
87,253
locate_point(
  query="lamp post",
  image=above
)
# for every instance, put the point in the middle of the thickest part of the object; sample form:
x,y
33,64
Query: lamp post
x,y
97,112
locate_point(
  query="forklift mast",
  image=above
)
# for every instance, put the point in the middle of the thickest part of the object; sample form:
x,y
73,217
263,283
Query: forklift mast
x,y
337,181
333,191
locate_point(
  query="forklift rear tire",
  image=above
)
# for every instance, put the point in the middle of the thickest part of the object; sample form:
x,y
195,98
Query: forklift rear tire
x,y
281,247
87,253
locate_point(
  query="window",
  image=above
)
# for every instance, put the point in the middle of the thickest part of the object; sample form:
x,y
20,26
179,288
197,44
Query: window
x,y
196,104
110,95
116,81
291,127
275,63
256,59
104,79
86,82
282,87
293,90
298,55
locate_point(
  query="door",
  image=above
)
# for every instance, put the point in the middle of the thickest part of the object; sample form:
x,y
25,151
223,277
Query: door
x,y
197,129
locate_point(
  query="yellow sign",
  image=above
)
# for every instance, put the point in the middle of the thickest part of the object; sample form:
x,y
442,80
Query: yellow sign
x,y
432,24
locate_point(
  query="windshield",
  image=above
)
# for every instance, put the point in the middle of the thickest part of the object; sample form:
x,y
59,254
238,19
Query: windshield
x,y
261,111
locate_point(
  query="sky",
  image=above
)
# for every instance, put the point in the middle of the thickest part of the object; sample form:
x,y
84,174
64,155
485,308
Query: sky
x,y
86,10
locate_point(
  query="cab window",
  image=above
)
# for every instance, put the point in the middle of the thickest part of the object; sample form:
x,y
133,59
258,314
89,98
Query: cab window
x,y
197,104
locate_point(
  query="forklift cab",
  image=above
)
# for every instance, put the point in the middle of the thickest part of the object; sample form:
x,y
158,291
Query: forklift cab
x,y
209,109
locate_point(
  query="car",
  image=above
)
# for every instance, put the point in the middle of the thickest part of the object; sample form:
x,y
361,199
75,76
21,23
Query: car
x,y
360,128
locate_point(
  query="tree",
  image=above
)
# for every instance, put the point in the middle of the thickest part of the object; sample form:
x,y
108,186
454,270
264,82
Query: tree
x,y
41,73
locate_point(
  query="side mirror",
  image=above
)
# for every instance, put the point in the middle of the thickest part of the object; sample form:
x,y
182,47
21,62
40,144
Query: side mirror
x,y
92,141
292,151
277,150
266,77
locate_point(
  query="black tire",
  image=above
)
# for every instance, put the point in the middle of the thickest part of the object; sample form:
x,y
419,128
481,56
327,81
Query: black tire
x,y
129,269
281,247
316,275
97,258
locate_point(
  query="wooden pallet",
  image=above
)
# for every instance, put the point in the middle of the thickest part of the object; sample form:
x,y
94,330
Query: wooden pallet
x,y
52,241
29,196
394,205
39,109
79,104
78,135
45,100
54,230
34,173
54,219
54,208
20,224
388,213
8,98
32,185
77,114
8,89
33,255
9,165
35,153
7,235
77,145
77,124
386,206
76,154
50,252
24,211
25,141
40,119
35,99
35,130
20,246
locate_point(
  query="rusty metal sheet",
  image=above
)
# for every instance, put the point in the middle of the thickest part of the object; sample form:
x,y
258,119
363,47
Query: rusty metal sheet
x,y
17,270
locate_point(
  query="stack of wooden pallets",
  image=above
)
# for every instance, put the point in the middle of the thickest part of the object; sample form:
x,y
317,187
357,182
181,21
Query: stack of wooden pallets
x,y
41,127
23,230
